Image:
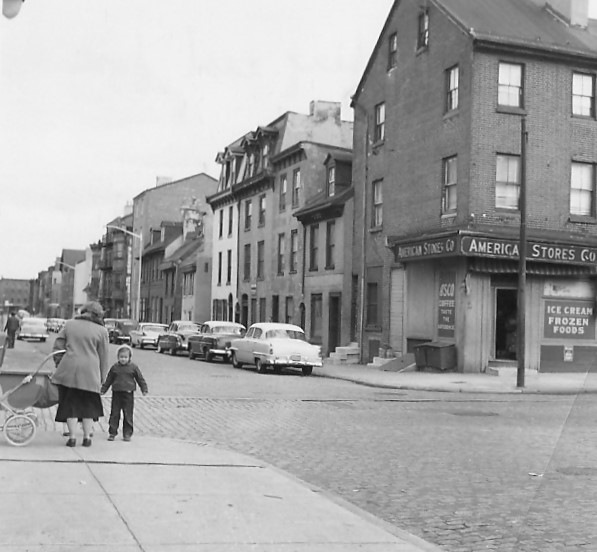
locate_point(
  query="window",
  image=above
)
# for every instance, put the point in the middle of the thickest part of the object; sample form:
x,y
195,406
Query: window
x,y
296,186
316,317
229,267
331,184
260,259
281,252
230,219
220,268
293,251
275,308
221,225
582,189
262,313
330,239
248,214
283,190
264,156
380,122
262,210
313,246
450,172
392,51
423,30
452,88
253,312
507,181
372,304
510,84
251,168
583,95
247,263
377,214
289,310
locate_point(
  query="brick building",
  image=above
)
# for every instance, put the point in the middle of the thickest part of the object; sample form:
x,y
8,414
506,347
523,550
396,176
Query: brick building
x,y
268,175
440,160
165,202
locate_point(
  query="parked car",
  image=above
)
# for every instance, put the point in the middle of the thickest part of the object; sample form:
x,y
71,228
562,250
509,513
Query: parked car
x,y
275,345
121,331
33,328
175,338
146,334
214,340
55,324
110,324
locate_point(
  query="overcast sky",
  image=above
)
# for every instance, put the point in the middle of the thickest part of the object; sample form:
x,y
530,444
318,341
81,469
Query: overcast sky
x,y
99,97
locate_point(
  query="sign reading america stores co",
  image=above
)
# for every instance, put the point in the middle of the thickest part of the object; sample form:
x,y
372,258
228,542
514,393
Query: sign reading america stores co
x,y
475,246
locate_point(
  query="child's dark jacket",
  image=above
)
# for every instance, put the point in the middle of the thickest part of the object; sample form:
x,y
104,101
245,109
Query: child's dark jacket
x,y
123,378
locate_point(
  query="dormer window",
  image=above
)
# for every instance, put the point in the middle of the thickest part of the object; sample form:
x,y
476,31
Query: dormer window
x,y
331,184
251,164
264,156
423,30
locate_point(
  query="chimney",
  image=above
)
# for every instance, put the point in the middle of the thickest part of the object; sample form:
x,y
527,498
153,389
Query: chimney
x,y
575,12
322,111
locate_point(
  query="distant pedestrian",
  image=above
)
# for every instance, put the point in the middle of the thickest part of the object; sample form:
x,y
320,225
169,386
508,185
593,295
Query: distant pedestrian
x,y
12,327
81,370
123,377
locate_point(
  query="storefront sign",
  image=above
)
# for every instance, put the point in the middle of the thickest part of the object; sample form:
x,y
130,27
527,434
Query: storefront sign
x,y
568,353
430,248
569,319
536,251
446,304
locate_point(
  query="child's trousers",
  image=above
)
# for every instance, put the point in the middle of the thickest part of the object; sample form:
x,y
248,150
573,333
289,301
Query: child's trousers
x,y
122,401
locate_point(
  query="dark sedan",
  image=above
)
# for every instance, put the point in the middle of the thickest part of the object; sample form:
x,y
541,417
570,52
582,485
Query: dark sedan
x,y
175,338
214,340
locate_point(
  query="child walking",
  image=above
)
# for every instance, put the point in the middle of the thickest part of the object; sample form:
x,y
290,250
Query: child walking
x,y
123,377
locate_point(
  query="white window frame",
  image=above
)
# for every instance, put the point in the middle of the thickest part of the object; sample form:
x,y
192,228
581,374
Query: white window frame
x,y
450,184
583,94
510,84
582,189
507,181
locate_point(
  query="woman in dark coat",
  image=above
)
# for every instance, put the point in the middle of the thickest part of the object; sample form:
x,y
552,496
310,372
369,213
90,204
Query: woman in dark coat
x,y
81,370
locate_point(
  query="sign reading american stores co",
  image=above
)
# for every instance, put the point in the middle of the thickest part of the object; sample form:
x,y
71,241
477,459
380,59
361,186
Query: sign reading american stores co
x,y
474,246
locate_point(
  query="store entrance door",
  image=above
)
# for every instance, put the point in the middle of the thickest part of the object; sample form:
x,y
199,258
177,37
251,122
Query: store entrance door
x,y
506,317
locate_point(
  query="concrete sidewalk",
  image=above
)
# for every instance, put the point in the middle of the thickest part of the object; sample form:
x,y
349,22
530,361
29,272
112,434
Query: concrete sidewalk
x,y
505,382
157,495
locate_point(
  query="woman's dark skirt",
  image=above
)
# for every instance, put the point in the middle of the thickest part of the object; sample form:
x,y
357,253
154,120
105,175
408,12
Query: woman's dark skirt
x,y
77,403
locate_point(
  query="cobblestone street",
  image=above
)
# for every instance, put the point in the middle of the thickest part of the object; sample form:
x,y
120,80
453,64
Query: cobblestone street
x,y
466,475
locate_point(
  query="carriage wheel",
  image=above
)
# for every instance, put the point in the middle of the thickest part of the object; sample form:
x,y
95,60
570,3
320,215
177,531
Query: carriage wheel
x,y
19,430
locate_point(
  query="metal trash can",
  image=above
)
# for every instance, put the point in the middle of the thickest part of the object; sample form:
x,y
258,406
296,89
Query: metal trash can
x,y
420,356
440,355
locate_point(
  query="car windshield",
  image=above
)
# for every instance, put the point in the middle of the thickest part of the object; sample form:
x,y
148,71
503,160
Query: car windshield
x,y
227,330
188,327
153,328
285,334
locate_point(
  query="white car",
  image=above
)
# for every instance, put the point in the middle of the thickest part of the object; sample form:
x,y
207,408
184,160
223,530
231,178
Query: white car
x,y
33,328
146,333
275,345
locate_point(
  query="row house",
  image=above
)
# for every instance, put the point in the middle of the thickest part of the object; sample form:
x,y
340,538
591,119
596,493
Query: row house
x,y
115,264
476,142
185,268
267,175
157,292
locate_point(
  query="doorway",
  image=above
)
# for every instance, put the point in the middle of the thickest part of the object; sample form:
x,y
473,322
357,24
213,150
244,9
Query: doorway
x,y
506,319
335,318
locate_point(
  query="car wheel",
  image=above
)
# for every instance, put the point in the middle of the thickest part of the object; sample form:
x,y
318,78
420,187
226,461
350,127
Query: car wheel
x,y
141,346
235,362
208,356
173,351
307,370
159,348
191,354
260,366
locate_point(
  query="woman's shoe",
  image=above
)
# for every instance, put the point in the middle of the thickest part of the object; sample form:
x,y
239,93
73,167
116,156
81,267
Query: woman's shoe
x,y
72,443
86,442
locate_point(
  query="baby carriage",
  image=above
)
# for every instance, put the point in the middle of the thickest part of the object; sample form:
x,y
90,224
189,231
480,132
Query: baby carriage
x,y
21,393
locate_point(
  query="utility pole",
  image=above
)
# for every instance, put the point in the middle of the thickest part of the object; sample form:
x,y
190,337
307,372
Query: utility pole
x,y
522,259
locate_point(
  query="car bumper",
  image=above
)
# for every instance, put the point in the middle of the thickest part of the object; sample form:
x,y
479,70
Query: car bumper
x,y
293,363
33,336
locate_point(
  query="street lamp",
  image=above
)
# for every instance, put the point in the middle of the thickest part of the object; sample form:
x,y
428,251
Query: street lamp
x,y
140,238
